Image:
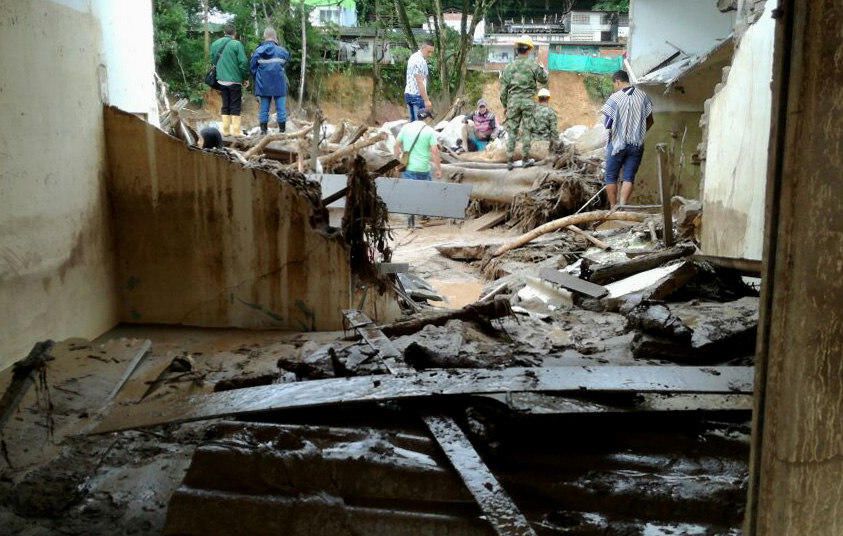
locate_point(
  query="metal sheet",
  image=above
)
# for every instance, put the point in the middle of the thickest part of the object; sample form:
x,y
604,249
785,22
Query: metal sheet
x,y
573,283
644,378
496,504
403,196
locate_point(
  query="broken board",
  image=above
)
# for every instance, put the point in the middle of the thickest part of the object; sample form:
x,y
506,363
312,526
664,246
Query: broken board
x,y
644,378
486,221
575,284
404,196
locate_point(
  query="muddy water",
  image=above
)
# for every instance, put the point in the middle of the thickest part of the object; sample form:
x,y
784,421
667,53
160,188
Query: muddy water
x,y
457,293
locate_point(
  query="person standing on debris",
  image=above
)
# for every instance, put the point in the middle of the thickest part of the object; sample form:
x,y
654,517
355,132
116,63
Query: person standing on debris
x,y
519,83
628,115
228,54
267,65
415,88
543,124
480,128
417,144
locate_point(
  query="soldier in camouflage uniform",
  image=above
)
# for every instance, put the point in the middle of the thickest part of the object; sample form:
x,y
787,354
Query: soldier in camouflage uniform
x,y
519,82
543,125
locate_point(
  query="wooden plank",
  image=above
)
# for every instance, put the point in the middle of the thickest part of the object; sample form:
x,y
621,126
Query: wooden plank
x,y
643,378
573,283
403,196
486,221
665,178
497,506
393,267
602,274
745,266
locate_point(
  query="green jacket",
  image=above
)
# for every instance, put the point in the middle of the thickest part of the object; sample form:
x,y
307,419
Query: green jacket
x,y
520,80
232,65
544,123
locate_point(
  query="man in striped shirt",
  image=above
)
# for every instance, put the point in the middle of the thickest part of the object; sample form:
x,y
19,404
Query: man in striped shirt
x,y
628,114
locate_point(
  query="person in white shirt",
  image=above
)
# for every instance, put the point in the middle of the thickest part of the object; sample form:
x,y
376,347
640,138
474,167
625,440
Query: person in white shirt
x,y
415,89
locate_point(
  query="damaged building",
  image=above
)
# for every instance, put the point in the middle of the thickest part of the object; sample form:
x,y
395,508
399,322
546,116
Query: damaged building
x,y
249,339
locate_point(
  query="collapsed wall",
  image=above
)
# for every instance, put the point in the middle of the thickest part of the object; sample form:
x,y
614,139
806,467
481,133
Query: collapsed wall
x,y
735,143
204,241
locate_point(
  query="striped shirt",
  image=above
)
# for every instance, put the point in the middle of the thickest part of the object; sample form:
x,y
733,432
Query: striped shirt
x,y
626,114
415,65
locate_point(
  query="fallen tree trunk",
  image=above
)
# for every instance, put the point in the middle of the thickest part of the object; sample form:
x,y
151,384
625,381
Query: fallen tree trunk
x,y
589,237
602,274
490,309
329,159
258,147
561,223
495,185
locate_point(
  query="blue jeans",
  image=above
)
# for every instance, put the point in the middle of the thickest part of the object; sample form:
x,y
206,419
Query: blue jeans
x,y
628,158
416,175
415,104
280,109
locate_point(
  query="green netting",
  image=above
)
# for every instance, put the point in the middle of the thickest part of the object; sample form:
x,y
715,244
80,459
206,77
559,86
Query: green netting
x,y
584,64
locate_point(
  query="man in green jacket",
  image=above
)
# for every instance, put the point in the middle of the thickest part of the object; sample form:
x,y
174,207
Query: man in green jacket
x,y
519,82
228,54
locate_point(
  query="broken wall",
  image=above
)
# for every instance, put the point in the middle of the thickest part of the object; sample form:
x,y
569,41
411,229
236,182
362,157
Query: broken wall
x,y
738,132
56,267
657,28
204,241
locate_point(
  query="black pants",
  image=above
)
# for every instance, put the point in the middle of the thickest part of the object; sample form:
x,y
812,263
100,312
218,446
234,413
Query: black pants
x,y
231,99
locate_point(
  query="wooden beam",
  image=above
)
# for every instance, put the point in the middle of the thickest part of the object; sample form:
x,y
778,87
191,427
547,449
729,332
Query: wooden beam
x,y
745,266
665,176
573,283
338,391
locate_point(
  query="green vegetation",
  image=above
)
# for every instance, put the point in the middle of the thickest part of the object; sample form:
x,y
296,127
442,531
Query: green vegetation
x,y
598,87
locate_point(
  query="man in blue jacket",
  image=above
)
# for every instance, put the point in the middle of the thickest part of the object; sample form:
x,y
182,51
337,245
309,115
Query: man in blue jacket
x,y
268,63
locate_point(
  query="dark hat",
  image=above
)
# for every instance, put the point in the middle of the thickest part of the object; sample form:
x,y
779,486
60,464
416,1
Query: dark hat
x,y
424,114
211,137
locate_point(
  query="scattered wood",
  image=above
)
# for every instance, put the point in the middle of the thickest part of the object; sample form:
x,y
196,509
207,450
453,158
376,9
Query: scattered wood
x,y
338,391
23,376
602,274
665,180
497,506
362,129
573,283
349,150
258,147
590,237
486,221
489,310
575,219
748,267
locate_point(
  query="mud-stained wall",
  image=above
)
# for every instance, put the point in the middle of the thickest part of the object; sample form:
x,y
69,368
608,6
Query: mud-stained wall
x,y
735,169
798,483
56,269
203,241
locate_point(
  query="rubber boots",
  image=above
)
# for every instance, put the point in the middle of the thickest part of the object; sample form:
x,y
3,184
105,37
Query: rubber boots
x,y
282,126
226,122
235,126
264,128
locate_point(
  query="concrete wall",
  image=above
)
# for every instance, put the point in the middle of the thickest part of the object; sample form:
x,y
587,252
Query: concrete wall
x,y
204,241
127,55
692,25
797,463
55,249
735,170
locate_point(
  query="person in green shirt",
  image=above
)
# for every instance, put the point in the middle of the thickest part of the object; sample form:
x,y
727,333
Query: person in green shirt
x,y
229,55
418,140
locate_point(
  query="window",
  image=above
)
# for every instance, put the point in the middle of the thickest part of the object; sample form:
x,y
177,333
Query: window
x,y
580,18
329,15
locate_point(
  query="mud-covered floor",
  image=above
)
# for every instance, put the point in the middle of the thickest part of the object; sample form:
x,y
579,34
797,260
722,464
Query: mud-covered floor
x,y
574,465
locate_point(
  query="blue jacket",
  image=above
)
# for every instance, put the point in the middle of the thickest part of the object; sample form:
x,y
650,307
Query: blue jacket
x,y
267,65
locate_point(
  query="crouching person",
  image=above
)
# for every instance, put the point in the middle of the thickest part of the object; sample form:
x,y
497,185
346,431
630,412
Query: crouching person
x,y
544,124
416,147
268,68
480,128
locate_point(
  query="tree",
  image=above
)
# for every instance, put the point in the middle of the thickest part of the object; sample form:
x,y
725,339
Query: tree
x,y
618,6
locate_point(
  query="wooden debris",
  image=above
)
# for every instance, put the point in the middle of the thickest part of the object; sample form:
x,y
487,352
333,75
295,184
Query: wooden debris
x,y
607,378
748,267
573,283
486,221
23,376
602,274
349,150
490,309
590,237
258,147
665,180
561,223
